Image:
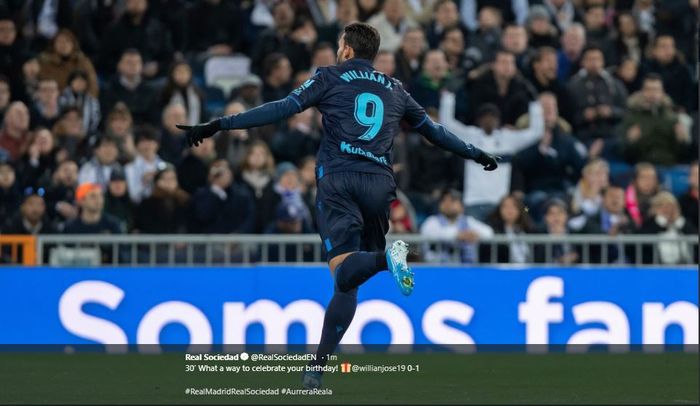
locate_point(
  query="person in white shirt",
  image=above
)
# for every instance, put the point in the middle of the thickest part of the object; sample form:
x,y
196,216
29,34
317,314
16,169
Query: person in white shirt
x,y
483,190
460,232
392,23
141,171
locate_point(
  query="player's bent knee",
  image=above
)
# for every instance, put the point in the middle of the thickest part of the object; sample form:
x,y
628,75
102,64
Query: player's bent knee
x,y
335,262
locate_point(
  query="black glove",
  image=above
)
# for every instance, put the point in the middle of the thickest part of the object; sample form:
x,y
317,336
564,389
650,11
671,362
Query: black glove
x,y
488,161
197,133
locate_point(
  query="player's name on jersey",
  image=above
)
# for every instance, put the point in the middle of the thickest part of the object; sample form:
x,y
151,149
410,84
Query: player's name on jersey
x,y
351,75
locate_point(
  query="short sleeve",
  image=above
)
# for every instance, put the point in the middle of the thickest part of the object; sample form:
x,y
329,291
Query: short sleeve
x,y
310,92
414,113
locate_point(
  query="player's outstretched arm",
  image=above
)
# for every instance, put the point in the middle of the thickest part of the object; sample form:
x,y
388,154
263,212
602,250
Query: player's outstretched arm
x,y
267,113
440,136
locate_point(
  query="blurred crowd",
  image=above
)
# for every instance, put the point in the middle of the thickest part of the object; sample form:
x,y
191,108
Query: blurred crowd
x,y
592,104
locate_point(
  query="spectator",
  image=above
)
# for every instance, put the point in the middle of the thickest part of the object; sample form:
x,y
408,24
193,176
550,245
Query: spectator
x,y
70,134
45,111
432,171
289,190
5,94
600,98
408,56
368,9
323,55
277,73
650,129
508,11
667,221
628,73
14,136
433,78
485,41
346,11
456,230
510,218
544,79
550,167
482,191
502,86
540,29
63,58
9,190
215,27
392,23
401,216
31,218
193,170
117,201
562,13
639,193
120,127
12,57
60,194
46,18
587,197
445,16
221,207
92,218
628,41
452,44
289,219
92,20
39,162
248,92
689,200
181,90
140,172
555,224
137,30
597,35
232,144
128,86
104,161
256,174
172,140
298,140
385,62
75,94
573,40
165,210
514,40
279,39
307,175
671,66
611,219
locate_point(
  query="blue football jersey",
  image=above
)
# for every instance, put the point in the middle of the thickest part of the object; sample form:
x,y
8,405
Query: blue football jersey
x,y
361,110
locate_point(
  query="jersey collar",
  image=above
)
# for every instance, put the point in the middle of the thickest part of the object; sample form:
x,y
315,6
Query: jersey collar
x,y
358,62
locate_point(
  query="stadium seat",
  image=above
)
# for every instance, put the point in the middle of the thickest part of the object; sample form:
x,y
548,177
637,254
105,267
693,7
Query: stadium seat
x,y
225,72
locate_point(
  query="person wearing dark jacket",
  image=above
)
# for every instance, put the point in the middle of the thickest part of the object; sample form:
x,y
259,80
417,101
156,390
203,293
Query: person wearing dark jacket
x,y
128,86
555,224
9,191
674,71
31,218
92,218
689,200
214,27
510,218
256,175
139,30
544,79
165,211
221,207
612,219
281,38
503,86
117,201
193,169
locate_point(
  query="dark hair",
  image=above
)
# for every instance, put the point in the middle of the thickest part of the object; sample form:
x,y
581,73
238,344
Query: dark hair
x,y
78,73
271,61
541,52
653,76
590,48
146,132
524,222
130,51
363,39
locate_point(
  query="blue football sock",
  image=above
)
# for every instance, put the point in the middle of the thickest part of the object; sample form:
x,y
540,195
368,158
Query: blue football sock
x,y
357,268
339,314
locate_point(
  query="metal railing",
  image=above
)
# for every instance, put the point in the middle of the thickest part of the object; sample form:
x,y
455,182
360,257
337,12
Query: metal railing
x,y
218,250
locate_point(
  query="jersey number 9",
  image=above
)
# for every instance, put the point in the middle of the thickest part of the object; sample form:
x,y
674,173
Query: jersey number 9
x,y
369,112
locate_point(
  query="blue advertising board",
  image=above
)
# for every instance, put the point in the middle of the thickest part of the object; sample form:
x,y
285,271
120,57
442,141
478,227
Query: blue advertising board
x,y
285,305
